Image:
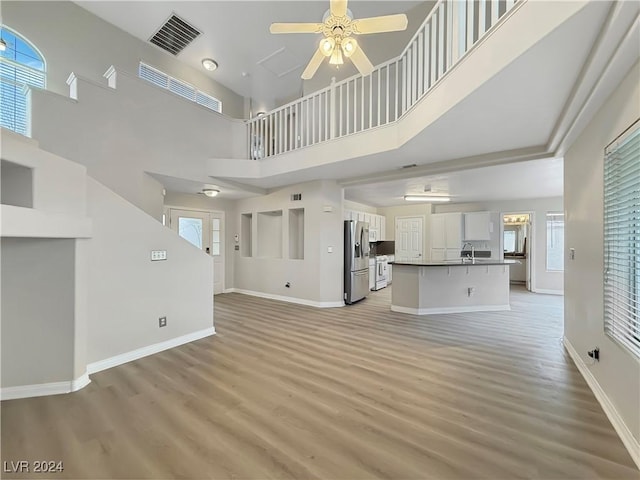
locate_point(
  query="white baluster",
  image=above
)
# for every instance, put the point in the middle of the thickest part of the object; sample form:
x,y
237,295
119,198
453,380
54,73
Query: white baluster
x,y
482,16
370,101
332,114
427,56
387,93
397,89
433,68
440,40
340,129
470,24
378,77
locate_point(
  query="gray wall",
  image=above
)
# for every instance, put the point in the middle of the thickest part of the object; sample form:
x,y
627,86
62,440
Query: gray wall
x,y
618,373
74,40
38,310
542,280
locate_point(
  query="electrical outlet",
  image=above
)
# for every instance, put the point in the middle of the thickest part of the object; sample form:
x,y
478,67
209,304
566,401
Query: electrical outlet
x,y
162,322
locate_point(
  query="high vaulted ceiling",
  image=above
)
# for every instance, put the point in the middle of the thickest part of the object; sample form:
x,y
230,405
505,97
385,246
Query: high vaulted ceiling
x,y
253,62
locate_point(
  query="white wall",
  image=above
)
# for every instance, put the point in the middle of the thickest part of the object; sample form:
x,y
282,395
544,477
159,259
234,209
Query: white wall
x,y
38,310
359,207
543,281
617,373
127,293
121,134
316,279
73,40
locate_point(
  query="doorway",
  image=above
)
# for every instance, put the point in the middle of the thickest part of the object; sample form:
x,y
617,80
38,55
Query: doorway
x,y
517,240
204,230
409,244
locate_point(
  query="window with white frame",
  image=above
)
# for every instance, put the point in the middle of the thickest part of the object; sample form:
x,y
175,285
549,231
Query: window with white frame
x,y
178,87
555,242
21,66
622,239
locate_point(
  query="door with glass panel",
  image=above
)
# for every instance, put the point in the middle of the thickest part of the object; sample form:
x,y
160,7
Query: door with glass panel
x,y
204,230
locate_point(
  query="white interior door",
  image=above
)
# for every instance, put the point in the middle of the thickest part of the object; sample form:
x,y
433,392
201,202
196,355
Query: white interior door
x,y
409,238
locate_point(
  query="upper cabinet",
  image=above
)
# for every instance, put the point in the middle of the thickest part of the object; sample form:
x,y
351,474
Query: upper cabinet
x,y
477,226
446,236
377,223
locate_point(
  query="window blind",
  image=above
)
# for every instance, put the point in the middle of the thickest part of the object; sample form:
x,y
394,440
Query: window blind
x,y
622,240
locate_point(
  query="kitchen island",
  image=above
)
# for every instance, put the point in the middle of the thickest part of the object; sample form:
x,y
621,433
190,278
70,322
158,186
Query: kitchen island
x,y
450,286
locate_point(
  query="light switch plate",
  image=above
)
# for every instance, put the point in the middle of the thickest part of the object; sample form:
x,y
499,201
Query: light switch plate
x,y
330,249
157,255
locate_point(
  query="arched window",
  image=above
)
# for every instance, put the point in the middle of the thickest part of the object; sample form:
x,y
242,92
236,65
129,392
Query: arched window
x,y
20,64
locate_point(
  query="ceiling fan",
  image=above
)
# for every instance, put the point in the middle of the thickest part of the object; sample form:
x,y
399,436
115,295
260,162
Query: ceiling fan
x,y
337,30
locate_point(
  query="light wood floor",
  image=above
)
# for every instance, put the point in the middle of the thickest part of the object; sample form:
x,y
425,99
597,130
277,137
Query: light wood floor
x,y
287,391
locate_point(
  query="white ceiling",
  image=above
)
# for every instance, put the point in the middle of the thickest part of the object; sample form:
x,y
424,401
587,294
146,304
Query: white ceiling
x,y
236,34
522,180
518,108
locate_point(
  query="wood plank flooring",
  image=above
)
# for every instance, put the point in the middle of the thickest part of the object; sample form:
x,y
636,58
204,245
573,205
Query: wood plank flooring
x,y
292,392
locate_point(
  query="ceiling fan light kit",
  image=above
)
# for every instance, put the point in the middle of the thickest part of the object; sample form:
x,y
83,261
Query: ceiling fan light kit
x,y
337,29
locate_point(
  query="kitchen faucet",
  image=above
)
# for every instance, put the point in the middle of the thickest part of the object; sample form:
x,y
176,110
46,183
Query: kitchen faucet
x,y
473,251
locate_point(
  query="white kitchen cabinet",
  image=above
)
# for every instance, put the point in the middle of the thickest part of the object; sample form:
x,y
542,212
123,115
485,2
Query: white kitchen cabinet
x,y
446,236
347,214
477,226
390,258
383,228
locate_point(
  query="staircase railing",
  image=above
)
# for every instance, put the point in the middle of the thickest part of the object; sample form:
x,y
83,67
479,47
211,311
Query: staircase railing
x,y
360,103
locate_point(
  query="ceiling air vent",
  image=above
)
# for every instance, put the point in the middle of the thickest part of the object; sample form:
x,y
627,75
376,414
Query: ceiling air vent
x,y
174,35
296,196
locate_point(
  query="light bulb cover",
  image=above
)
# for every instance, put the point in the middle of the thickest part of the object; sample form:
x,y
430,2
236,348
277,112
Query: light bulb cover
x,y
210,192
349,46
336,57
327,45
209,64
426,198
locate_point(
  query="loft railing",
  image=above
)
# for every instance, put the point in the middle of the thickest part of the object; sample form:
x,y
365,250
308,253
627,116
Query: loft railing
x,y
360,103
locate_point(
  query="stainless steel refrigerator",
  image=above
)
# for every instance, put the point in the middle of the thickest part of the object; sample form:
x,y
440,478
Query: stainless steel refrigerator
x,y
356,261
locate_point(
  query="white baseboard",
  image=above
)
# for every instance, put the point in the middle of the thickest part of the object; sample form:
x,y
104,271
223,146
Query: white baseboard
x,y
282,298
42,389
629,441
148,350
460,309
547,291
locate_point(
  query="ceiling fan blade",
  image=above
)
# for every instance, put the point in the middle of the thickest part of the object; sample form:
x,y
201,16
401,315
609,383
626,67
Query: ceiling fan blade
x,y
295,28
362,62
338,8
313,66
387,23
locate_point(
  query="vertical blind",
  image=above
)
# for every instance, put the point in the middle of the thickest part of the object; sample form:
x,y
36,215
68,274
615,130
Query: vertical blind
x,y
622,240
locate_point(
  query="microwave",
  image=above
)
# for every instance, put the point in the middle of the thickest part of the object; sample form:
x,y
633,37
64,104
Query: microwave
x,y
373,235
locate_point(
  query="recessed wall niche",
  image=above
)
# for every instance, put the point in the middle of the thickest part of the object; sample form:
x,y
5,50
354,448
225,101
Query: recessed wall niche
x,y
296,234
270,234
246,238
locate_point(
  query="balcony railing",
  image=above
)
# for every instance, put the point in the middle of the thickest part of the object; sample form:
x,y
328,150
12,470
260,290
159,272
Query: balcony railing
x,y
361,103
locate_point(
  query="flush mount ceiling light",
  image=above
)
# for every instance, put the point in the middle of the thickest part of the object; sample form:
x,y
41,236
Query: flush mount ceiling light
x,y
209,64
337,29
210,192
426,198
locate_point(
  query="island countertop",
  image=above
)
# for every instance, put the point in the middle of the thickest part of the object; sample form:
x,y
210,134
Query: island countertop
x,y
453,263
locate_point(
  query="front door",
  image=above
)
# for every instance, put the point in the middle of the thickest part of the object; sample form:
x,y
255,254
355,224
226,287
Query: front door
x,y
204,230
409,238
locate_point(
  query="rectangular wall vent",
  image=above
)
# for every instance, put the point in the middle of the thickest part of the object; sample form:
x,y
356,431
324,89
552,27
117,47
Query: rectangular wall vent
x,y
296,196
174,35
